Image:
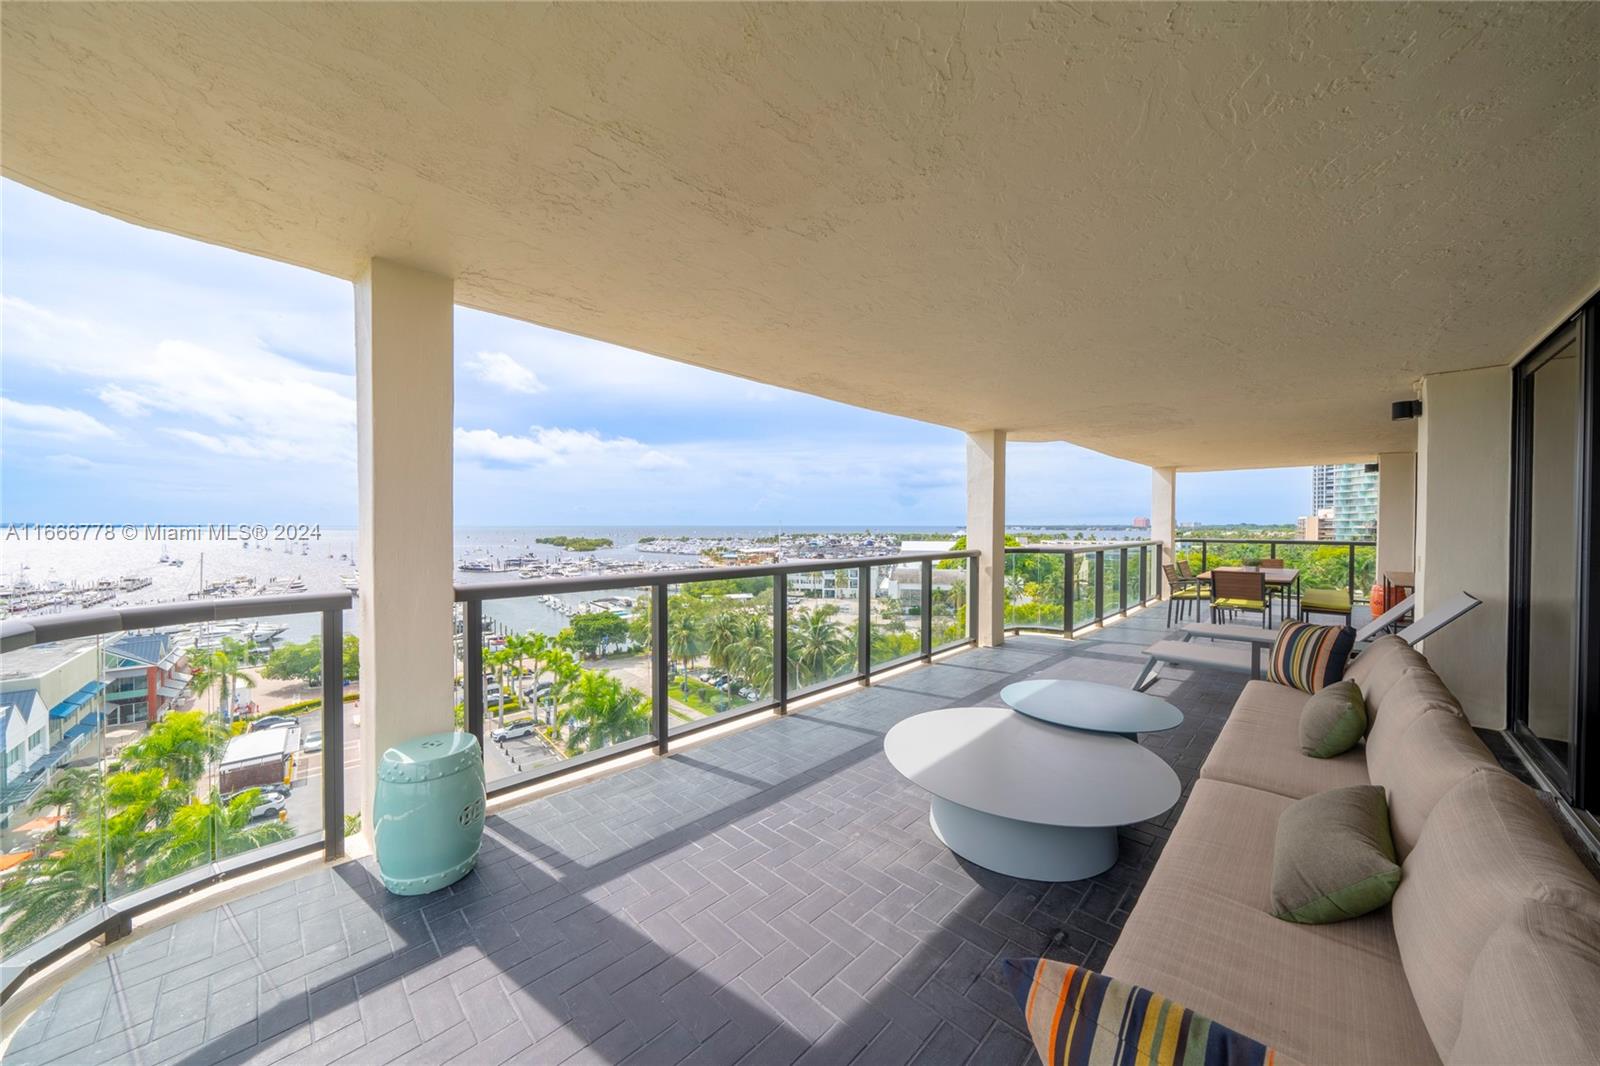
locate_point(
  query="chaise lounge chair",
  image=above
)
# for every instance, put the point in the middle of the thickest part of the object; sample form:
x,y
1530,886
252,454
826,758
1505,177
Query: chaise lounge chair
x,y
1237,649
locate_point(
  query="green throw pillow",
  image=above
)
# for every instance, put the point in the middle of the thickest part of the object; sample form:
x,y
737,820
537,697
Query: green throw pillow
x,y
1333,720
1334,857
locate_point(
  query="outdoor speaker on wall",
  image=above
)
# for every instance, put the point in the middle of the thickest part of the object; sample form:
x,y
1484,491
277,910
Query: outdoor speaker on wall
x,y
1401,410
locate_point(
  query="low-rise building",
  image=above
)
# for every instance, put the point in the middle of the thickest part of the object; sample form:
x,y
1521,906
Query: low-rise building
x,y
52,698
142,677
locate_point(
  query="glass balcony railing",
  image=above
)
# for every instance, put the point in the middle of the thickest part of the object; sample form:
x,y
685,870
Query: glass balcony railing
x,y
120,797
1347,565
557,673
1062,589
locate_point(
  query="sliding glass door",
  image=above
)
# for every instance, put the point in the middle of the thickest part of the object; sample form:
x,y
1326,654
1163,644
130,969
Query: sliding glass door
x,y
1553,674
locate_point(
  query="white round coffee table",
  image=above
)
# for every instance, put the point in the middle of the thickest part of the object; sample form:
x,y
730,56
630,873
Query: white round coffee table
x,y
1026,798
1087,705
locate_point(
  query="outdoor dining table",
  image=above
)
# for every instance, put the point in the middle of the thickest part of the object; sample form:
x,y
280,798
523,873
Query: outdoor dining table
x,y
1286,580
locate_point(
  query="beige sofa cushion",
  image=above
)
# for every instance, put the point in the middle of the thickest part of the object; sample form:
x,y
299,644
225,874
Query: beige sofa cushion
x,y
1417,691
1434,753
1534,992
1487,847
1202,935
1260,747
1380,667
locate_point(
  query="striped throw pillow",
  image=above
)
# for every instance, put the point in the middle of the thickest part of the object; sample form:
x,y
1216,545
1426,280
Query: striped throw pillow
x,y
1081,1018
1310,657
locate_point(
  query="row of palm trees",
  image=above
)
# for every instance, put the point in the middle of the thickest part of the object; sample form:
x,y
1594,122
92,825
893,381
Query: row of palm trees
x,y
591,708
738,642
139,823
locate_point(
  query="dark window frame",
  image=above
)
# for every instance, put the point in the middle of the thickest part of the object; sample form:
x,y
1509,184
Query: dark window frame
x,y
1578,775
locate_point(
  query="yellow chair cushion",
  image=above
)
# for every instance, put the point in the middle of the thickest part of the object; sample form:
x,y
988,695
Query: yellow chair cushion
x,y
1242,605
1329,599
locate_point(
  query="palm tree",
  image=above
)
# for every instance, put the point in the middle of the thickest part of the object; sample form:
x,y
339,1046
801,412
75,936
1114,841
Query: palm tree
x,y
683,642
723,633
200,831
52,888
602,712
219,669
69,788
499,662
753,653
817,647
183,746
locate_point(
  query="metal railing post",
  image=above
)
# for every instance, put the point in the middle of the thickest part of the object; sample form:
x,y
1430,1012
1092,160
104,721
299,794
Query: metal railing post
x,y
332,734
780,641
972,601
1122,581
1144,574
659,678
1066,595
864,624
472,670
1350,571
1099,585
927,608
1204,560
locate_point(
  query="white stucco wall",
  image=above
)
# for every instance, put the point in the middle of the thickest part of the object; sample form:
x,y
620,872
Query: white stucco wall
x,y
1463,530
1397,511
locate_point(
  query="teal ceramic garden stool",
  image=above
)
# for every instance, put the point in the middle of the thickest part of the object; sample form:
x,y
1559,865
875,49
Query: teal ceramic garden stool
x,y
428,812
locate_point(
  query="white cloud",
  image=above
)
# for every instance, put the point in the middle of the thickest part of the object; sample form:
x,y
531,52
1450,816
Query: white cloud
x,y
503,371
237,399
52,421
555,446
123,401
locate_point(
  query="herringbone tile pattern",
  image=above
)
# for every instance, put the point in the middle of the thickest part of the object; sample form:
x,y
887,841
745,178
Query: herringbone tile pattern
x,y
769,897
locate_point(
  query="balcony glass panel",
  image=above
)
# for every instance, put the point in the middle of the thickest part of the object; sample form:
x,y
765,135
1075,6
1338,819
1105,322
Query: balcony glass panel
x,y
1035,586
53,802
952,578
896,619
821,627
719,638
568,674
1083,571
1112,567
1136,591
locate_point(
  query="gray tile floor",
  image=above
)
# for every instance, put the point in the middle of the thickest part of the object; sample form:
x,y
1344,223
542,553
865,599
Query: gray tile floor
x,y
771,896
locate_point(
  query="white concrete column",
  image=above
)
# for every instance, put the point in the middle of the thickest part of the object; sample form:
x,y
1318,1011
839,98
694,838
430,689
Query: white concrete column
x,y
405,345
986,530
1463,540
1397,512
1164,513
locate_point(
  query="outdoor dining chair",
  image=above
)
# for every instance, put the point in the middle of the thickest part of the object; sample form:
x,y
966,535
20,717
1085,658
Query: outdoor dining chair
x,y
1239,590
1284,592
1185,590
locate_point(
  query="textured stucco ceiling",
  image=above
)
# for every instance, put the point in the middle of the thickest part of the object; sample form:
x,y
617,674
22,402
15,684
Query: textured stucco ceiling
x,y
1204,236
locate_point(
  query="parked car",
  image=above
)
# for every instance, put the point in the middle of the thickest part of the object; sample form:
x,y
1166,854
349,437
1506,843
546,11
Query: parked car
x,y
312,741
269,805
272,721
512,732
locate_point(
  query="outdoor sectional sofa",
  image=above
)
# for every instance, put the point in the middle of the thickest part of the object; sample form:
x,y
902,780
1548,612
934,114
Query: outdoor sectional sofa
x,y
1459,968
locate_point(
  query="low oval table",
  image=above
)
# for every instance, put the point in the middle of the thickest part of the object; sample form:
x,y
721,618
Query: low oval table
x,y
1026,798
1091,706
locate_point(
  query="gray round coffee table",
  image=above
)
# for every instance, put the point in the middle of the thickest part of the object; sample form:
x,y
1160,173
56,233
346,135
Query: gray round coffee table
x,y
1087,705
1026,798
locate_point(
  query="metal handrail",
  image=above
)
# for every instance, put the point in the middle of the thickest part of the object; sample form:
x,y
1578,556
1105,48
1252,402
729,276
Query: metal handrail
x,y
1273,543
113,918
534,586
1288,542
16,633
472,597
1148,550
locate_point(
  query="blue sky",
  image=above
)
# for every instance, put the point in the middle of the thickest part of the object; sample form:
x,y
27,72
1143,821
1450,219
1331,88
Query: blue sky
x,y
150,378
